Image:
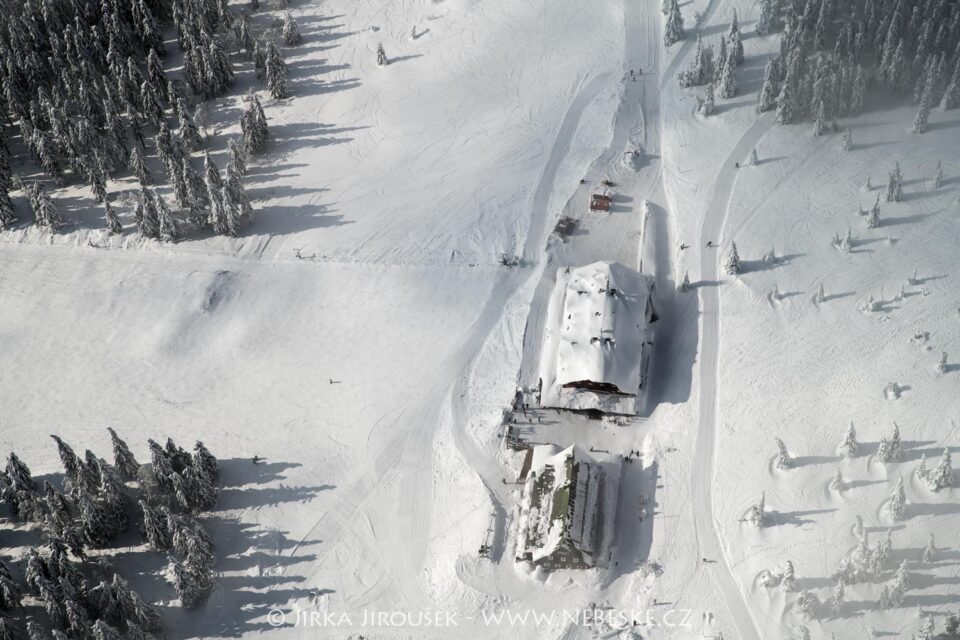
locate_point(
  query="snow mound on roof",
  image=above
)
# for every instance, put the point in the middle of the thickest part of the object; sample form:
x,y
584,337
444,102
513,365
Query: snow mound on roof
x,y
603,327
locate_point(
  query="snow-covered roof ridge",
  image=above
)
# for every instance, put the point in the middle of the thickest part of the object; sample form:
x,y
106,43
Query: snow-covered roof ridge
x,y
603,326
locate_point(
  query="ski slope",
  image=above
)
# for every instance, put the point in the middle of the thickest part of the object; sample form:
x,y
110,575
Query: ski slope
x,y
364,337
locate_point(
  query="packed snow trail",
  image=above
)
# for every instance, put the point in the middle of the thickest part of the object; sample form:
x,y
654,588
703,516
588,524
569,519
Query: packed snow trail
x,y
704,522
487,466
637,120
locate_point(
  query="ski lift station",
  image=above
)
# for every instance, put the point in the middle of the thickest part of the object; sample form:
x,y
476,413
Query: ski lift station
x,y
598,339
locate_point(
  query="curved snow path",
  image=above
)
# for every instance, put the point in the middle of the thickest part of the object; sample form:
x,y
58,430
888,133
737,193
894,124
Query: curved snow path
x,y
708,537
487,466
637,119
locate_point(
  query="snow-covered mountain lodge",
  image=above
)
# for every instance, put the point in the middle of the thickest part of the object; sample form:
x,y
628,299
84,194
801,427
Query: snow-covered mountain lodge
x,y
598,339
563,522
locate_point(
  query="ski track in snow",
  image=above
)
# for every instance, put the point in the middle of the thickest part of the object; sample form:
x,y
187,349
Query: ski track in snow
x,y
708,536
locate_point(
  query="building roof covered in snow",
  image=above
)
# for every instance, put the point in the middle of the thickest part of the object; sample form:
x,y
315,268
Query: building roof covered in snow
x,y
607,311
561,509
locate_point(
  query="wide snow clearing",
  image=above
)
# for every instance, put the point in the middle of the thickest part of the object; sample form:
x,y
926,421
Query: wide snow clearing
x,y
366,335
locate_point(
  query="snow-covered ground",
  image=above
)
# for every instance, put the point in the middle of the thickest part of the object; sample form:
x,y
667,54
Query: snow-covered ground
x,y
372,374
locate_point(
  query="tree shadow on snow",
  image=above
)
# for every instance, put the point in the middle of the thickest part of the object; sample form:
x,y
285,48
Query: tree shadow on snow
x,y
795,518
255,565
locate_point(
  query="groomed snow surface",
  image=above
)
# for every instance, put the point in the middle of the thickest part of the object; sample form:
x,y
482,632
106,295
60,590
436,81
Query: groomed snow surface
x,y
372,375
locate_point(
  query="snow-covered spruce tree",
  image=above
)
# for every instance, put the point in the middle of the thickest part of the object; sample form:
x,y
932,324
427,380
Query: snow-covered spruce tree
x,y
819,122
78,620
884,550
731,263
167,228
873,219
921,471
45,212
161,466
897,502
291,32
8,629
895,185
52,605
35,631
150,105
728,81
187,129
57,507
107,602
929,552
10,593
721,61
768,92
883,597
927,630
766,19
110,218
808,604
706,105
836,602
938,176
112,496
941,477
951,95
786,102
145,214
95,522
217,217
190,594
260,60
179,456
788,581
254,125
238,157
219,75
848,448
155,527
673,27
138,166
896,444
196,194
103,631
382,59
123,459
901,584
836,484
951,626
156,75
238,196
942,363
735,38
756,515
231,212
684,285
135,610
782,459
90,472
276,73
921,121
182,491
7,216
36,573
846,141
19,474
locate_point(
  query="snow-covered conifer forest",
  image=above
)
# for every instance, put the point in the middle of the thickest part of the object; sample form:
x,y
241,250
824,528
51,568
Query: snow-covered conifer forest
x,y
354,246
